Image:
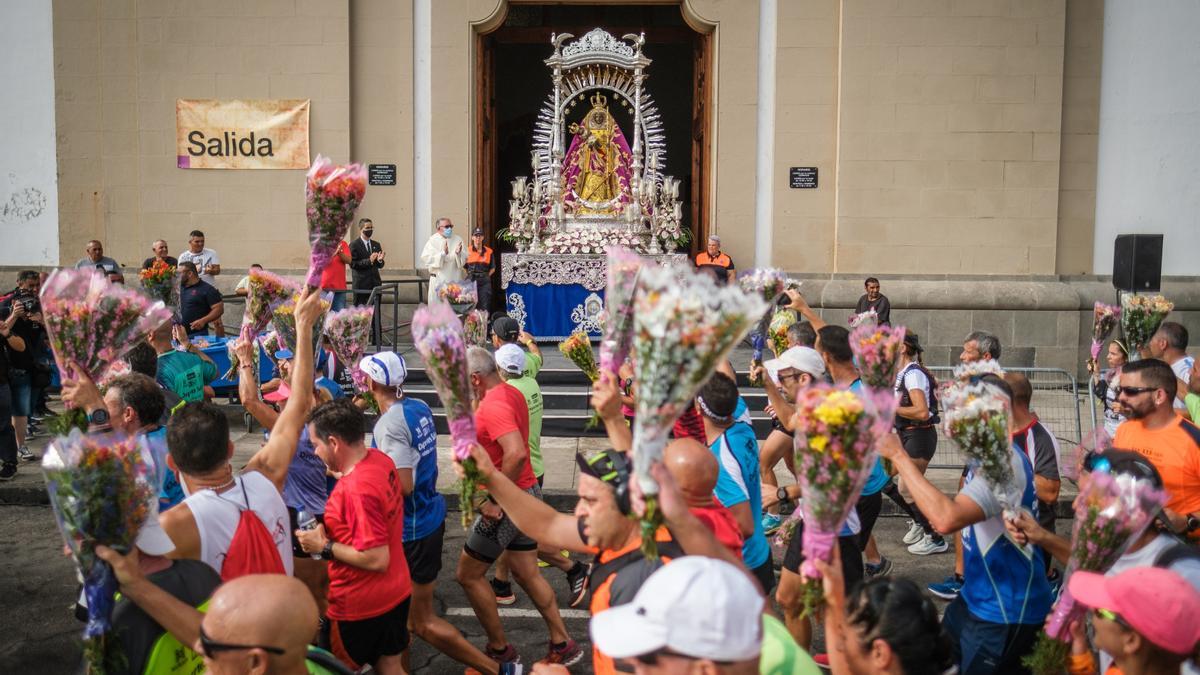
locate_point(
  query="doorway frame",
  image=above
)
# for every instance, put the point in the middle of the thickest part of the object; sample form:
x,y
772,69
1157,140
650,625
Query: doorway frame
x,y
701,206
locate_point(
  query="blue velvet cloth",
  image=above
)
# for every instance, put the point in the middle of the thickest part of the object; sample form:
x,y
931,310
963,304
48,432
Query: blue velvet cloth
x,y
554,311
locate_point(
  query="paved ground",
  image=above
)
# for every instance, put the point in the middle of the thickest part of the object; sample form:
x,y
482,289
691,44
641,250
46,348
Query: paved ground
x,y
38,633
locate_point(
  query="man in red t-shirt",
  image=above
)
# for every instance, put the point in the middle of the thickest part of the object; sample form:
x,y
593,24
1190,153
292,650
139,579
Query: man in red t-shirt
x,y
333,277
502,428
369,584
694,468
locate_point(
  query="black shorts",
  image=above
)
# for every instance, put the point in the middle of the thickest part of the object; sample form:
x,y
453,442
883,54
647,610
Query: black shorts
x,y
868,508
776,425
424,556
292,516
919,442
765,575
367,640
852,564
489,539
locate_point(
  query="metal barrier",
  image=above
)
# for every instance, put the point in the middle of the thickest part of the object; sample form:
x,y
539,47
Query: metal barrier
x,y
1057,399
387,294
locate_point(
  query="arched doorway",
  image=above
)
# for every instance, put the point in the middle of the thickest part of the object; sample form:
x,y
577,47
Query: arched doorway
x,y
512,83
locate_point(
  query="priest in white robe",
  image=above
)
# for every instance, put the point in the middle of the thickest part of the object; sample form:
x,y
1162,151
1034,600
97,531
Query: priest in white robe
x,y
444,256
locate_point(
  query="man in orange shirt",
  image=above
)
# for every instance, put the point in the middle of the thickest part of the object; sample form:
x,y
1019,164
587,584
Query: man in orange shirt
x,y
1169,441
716,263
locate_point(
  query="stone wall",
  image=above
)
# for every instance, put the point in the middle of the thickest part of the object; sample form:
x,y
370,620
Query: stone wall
x,y
1040,323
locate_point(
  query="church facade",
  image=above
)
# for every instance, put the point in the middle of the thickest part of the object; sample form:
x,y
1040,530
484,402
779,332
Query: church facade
x,y
1003,143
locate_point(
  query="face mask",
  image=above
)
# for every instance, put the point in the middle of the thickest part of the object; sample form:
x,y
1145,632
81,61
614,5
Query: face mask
x,y
368,233
447,231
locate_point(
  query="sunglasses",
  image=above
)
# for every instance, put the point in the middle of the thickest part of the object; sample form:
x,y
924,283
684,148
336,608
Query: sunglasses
x,y
210,647
1133,391
1109,615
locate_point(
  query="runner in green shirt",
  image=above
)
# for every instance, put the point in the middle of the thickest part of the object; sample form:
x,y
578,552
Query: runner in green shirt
x,y
183,372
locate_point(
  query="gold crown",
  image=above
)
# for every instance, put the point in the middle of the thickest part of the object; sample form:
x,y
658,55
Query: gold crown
x,y
599,100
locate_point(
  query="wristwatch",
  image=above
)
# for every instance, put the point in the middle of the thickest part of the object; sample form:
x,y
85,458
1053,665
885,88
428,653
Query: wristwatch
x,y
1193,523
782,495
327,552
98,417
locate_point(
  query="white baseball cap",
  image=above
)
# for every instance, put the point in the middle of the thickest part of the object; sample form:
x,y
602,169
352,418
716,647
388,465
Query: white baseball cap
x,y
511,359
803,359
695,606
386,368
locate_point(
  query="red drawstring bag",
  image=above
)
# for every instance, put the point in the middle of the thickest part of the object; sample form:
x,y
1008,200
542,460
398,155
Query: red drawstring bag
x,y
252,550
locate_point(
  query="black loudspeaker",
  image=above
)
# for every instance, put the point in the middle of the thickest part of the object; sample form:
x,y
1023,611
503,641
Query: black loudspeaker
x,y
1137,262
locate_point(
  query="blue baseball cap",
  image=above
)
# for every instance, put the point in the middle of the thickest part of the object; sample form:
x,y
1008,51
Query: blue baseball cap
x,y
284,354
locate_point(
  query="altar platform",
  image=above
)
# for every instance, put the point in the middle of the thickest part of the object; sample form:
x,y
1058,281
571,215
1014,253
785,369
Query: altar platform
x,y
555,295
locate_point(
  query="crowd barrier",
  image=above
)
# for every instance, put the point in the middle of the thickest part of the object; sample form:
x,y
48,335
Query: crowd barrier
x,y
1058,401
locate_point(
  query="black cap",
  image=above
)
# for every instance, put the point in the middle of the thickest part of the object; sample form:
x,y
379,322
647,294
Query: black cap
x,y
606,466
477,232
506,328
913,342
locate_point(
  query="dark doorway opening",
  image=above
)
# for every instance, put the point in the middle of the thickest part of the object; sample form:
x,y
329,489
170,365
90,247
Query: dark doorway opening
x,y
513,84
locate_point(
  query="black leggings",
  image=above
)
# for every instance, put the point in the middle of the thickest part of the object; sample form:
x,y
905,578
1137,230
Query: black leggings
x,y
893,492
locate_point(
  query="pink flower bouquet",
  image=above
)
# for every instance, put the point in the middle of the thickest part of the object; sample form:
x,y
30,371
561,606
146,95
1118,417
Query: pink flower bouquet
x,y
624,266
456,293
836,435
267,292
332,194
1111,512
438,337
681,331
877,349
347,332
92,322
284,320
475,327
1104,320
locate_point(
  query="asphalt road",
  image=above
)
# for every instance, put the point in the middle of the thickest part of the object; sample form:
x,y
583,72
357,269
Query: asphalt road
x,y
39,634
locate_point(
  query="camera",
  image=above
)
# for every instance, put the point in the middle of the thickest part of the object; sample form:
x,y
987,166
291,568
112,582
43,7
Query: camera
x,y
29,301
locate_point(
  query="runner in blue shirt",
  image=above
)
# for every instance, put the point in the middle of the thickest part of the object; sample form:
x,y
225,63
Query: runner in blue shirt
x,y
406,433
739,486
1005,597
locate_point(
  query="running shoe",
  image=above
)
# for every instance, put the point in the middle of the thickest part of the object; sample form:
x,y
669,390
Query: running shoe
x,y
929,545
504,593
567,655
577,579
948,588
1056,582
914,534
883,568
771,523
504,657
24,453
8,471
822,661
564,553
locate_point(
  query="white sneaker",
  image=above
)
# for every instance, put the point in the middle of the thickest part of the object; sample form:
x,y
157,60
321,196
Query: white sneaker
x,y
928,546
914,534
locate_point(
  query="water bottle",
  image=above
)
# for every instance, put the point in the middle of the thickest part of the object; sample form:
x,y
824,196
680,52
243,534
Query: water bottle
x,y
307,521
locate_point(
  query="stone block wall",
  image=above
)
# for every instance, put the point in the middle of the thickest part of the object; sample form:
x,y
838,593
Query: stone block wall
x,y
1040,323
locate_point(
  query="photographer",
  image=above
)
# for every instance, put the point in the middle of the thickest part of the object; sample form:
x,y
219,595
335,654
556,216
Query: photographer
x,y
21,313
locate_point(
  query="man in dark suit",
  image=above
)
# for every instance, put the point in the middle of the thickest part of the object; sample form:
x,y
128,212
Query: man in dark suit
x,y
366,259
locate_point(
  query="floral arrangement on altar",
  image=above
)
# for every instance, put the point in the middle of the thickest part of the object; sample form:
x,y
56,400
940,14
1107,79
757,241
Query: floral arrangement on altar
x,y
592,240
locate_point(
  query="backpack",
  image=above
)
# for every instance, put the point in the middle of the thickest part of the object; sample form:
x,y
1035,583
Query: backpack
x,y
1178,551
906,399
252,549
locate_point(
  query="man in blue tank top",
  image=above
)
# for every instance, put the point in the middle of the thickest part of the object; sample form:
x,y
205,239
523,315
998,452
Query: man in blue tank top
x,y
406,433
1005,597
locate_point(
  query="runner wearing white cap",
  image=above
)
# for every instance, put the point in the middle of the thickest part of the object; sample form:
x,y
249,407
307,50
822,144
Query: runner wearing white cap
x,y
406,433
698,615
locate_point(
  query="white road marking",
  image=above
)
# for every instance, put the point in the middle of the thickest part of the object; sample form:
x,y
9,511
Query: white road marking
x,y
522,613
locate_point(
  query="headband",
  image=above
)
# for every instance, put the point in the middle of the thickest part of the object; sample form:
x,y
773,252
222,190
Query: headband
x,y
719,419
